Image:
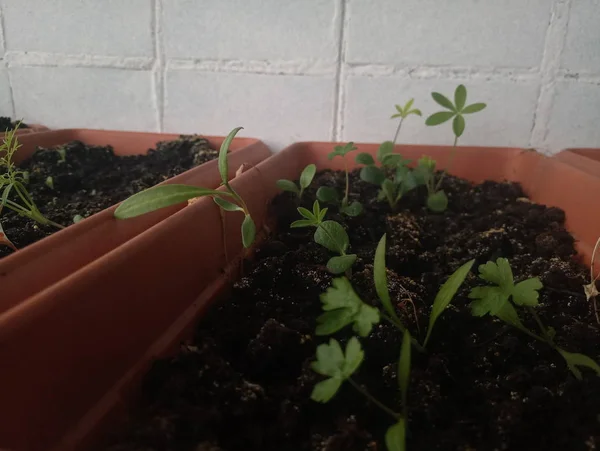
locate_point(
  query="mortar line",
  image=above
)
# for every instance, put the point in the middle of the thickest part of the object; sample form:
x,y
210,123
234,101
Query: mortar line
x,y
554,44
5,64
158,70
339,100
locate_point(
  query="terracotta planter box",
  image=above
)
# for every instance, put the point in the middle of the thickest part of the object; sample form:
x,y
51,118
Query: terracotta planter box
x,y
585,159
37,266
101,327
32,128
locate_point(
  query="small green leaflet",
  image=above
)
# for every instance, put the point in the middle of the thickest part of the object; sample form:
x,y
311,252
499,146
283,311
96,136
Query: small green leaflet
x,y
332,236
352,210
364,158
372,174
487,300
437,202
328,195
574,360
439,118
343,307
248,231
160,197
223,164
526,292
307,175
287,185
335,364
395,437
380,279
341,150
498,273
446,294
226,205
385,148
340,264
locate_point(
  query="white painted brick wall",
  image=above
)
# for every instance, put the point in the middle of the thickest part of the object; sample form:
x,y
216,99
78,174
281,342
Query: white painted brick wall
x,y
305,70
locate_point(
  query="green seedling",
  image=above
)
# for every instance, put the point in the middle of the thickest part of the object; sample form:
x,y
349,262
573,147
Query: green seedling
x,y
62,154
49,182
456,112
77,218
391,188
306,179
12,183
424,173
330,195
499,299
403,113
591,290
311,218
163,196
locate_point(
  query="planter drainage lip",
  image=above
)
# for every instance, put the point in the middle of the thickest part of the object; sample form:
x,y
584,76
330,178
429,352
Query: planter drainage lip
x,y
585,159
41,264
79,349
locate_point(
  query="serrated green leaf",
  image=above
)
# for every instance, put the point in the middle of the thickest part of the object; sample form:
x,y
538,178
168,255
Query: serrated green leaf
x,y
223,165
488,300
328,194
458,125
442,100
460,97
446,294
439,118
353,357
331,235
159,197
226,205
499,273
372,174
473,108
330,322
574,360
248,231
330,359
307,175
437,202
526,292
395,437
287,185
340,295
380,280
352,210
364,158
365,319
342,150
325,390
340,264
385,148
404,366
302,223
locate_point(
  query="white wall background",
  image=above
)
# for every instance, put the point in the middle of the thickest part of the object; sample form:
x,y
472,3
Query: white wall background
x,y
305,69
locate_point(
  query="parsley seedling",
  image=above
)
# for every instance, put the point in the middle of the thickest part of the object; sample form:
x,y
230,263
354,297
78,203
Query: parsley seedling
x,y
437,200
306,178
12,181
330,195
494,299
163,196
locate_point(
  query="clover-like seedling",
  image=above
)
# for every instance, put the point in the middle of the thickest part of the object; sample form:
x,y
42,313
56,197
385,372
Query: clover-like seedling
x,y
12,183
311,218
306,178
336,365
456,112
403,113
392,188
344,307
330,195
163,196
495,299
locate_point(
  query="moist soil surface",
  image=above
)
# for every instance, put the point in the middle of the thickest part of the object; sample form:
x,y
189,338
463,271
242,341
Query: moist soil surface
x,y
7,124
92,178
244,381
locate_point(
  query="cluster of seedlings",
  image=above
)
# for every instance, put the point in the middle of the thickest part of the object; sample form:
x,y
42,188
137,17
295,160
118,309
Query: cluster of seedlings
x,y
498,296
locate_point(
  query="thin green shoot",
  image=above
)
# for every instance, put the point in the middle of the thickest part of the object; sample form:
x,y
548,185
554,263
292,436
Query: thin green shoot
x,y
306,178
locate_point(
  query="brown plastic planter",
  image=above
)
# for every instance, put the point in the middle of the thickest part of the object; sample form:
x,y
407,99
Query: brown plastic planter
x,y
585,159
41,264
75,353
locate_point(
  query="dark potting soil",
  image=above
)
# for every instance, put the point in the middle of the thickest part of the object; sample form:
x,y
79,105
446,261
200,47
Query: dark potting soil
x,y
244,381
7,124
93,178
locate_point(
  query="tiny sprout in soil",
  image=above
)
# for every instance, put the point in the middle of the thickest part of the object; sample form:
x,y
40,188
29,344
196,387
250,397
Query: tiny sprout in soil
x,y
306,178
166,195
591,290
330,195
493,299
12,185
